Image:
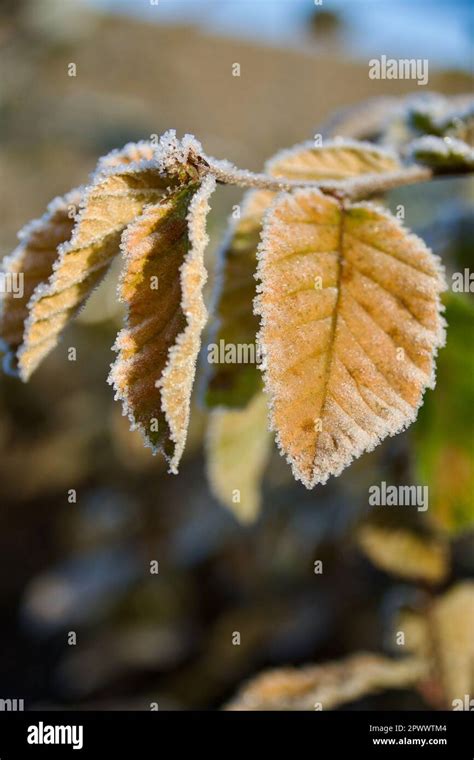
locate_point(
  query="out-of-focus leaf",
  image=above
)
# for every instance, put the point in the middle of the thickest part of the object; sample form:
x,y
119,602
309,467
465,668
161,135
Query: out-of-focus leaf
x,y
233,384
443,117
327,686
428,114
238,448
162,287
350,310
443,154
337,159
405,553
443,635
444,446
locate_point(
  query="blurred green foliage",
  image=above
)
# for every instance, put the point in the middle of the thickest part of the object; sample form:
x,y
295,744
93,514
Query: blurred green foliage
x,y
443,434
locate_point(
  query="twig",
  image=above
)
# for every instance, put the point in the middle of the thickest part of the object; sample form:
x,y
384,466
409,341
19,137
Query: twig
x,y
354,188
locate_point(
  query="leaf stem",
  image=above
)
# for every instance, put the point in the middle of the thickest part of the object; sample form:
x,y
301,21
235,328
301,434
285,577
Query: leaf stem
x,y
353,189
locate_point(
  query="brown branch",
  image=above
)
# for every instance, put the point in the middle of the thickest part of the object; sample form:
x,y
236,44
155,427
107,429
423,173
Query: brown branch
x,y
353,189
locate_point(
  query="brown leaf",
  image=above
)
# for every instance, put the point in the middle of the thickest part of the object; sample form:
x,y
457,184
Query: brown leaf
x,y
231,384
33,261
124,182
108,205
162,285
351,323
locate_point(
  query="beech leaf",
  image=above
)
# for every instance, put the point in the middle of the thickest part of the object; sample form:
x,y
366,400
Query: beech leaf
x,y
233,384
115,197
161,284
33,261
351,322
238,447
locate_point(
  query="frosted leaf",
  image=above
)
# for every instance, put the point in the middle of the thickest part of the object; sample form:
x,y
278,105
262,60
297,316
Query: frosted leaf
x,y
329,685
234,384
131,153
444,117
446,154
405,553
350,309
238,447
106,207
161,284
336,159
33,261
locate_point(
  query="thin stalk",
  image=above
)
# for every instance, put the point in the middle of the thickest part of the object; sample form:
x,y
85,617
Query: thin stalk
x,y
353,189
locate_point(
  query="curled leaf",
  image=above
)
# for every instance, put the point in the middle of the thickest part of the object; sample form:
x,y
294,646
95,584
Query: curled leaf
x,y
405,553
32,263
351,323
233,384
107,206
238,447
161,284
327,686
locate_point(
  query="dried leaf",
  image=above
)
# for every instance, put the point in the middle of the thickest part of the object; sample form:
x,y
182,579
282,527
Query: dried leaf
x,y
32,261
442,434
131,153
162,285
337,159
238,447
327,686
108,205
405,553
232,384
351,323
35,256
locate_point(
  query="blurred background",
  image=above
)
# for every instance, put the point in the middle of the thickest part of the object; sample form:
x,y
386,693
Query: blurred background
x,y
84,567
